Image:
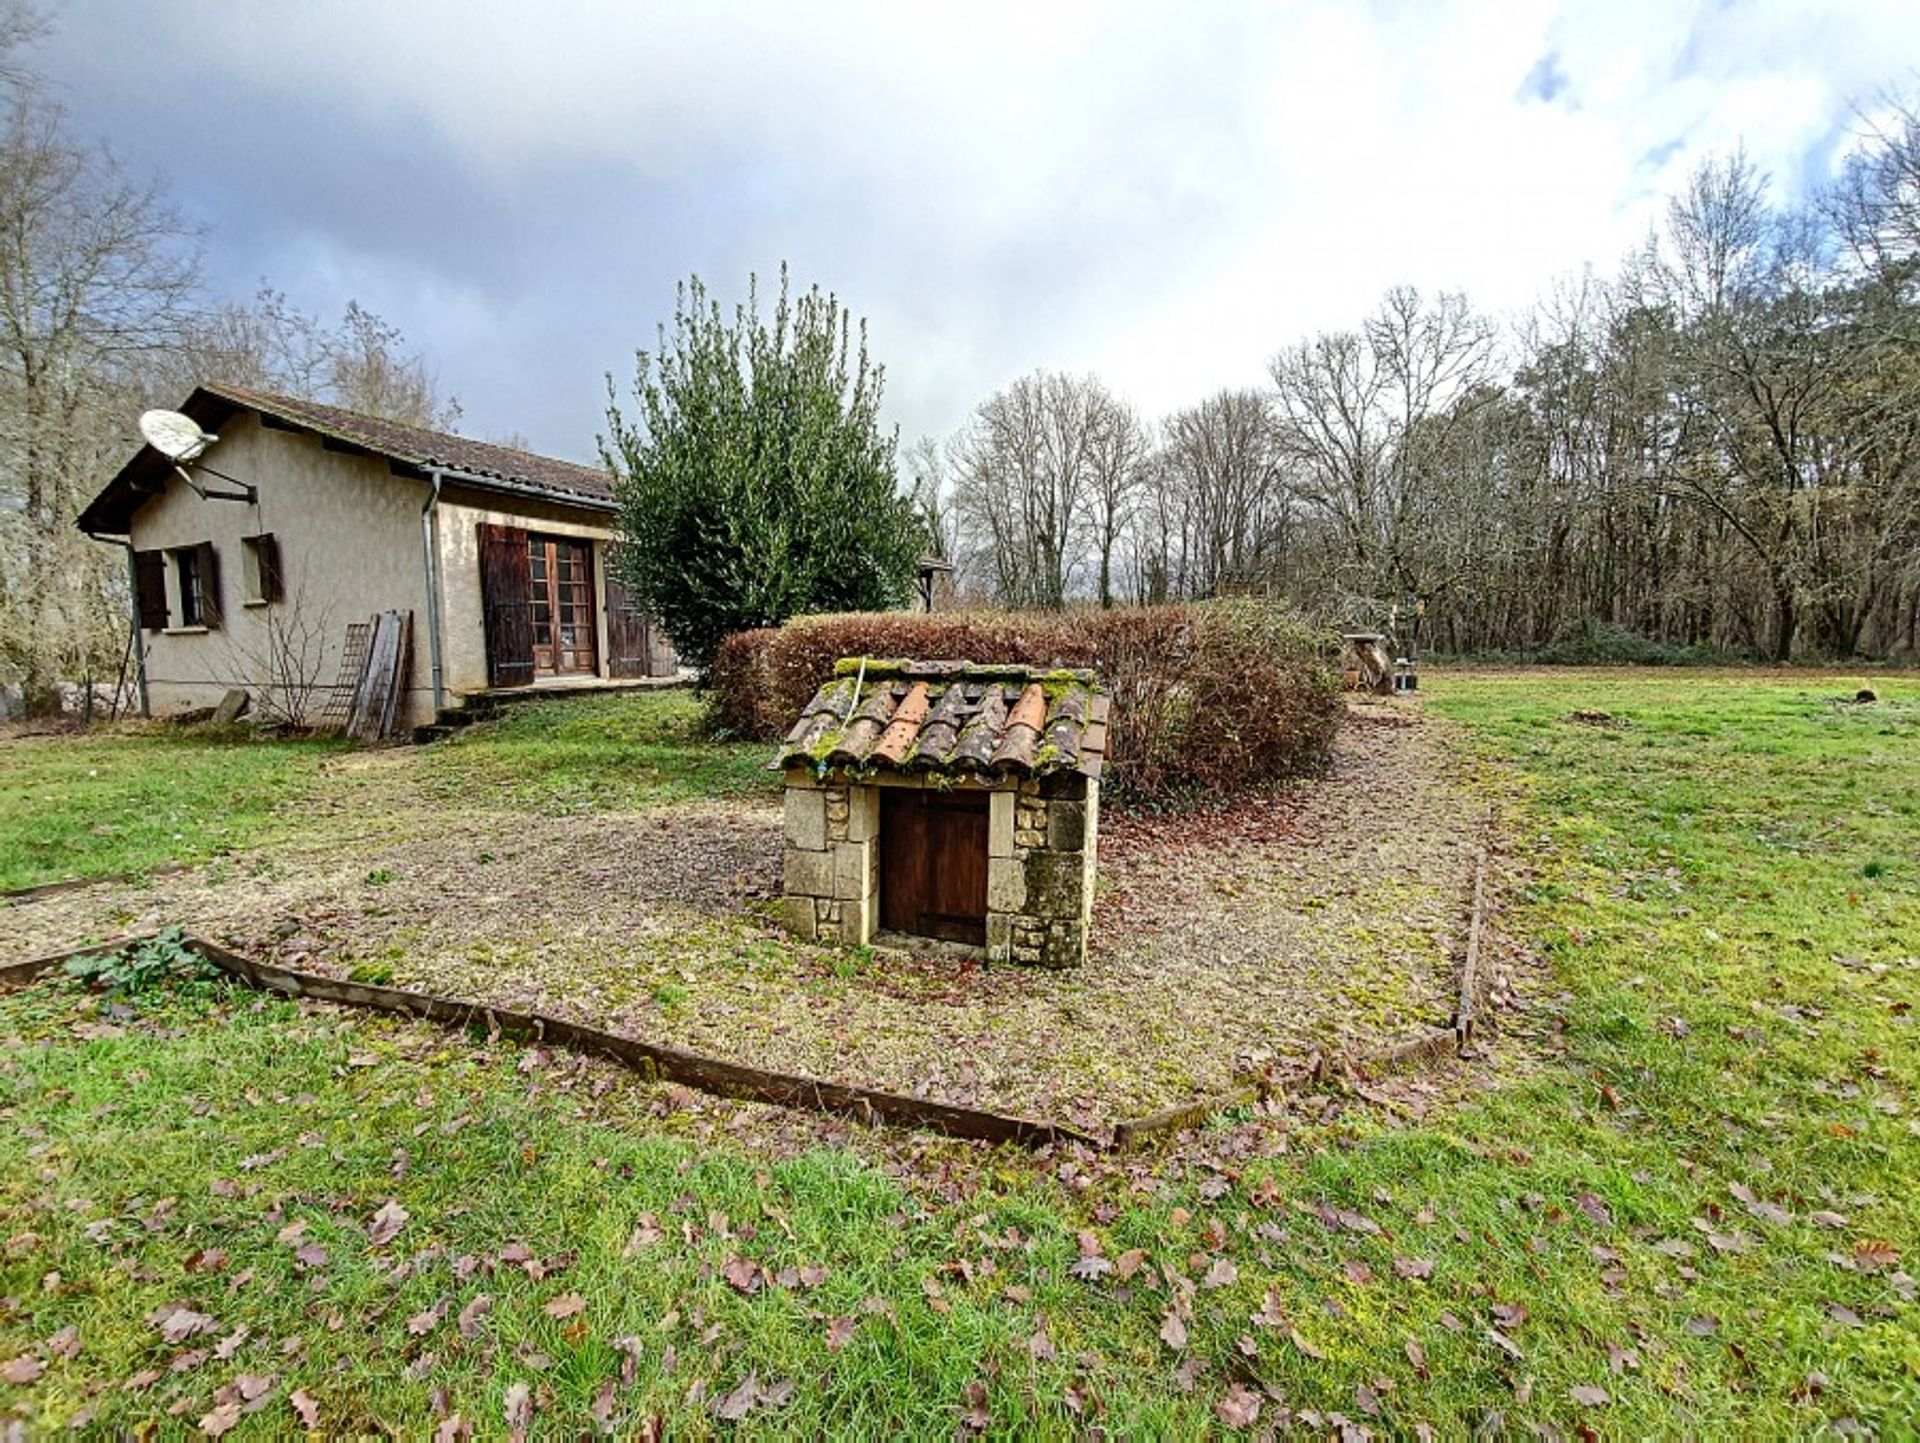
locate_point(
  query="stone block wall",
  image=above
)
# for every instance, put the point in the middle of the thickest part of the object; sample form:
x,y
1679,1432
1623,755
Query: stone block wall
x,y
1041,846
832,865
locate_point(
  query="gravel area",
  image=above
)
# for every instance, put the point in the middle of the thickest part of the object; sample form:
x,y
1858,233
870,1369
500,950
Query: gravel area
x,y
1328,915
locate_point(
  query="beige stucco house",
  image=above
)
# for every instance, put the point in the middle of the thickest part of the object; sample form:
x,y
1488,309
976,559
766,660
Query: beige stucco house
x,y
303,520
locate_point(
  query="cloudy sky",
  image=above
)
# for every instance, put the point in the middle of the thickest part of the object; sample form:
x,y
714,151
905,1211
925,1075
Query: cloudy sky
x,y
1160,194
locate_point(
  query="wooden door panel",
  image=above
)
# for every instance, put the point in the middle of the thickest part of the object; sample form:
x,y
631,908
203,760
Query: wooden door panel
x,y
560,608
933,864
506,613
629,639
903,858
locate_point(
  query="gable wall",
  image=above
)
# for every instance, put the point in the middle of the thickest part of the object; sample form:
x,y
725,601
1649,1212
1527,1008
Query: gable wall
x,y
348,531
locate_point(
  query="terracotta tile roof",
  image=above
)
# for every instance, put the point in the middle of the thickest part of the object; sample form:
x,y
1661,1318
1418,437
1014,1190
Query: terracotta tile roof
x,y
485,465
420,446
953,718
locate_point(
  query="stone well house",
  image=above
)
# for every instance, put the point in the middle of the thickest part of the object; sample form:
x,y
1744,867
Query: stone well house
x,y
948,801
500,558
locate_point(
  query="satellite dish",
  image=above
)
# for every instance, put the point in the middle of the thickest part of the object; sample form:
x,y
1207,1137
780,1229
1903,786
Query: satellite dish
x,y
177,437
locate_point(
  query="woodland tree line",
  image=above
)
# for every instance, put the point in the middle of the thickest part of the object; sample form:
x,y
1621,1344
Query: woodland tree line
x,y
1717,447
104,311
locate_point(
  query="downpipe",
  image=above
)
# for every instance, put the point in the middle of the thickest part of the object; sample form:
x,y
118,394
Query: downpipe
x,y
429,555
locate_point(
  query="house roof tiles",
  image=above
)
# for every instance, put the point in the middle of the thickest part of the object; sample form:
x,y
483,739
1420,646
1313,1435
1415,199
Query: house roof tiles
x,y
952,718
415,448
422,446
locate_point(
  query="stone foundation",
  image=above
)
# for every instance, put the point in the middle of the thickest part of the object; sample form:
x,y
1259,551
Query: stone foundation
x,y
1041,843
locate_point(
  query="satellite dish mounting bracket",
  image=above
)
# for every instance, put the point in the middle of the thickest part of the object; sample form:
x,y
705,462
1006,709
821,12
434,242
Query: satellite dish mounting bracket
x,y
179,438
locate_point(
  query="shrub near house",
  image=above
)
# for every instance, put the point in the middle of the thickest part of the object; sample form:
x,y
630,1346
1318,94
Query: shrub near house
x,y
1208,699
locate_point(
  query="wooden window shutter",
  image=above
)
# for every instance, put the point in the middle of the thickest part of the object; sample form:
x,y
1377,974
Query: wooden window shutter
x,y
506,605
266,555
150,589
209,584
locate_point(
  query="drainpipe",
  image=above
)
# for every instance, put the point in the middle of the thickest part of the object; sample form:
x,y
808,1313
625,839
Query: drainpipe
x,y
133,618
428,554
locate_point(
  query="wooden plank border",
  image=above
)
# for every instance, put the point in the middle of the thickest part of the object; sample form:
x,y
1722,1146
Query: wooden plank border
x,y
19,895
1470,984
654,1060
868,1105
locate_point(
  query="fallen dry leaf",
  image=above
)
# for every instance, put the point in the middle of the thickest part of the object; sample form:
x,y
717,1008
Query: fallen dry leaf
x,y
307,1406
1173,1332
517,1406
470,1316
1271,1314
974,1415
386,1223
1040,1345
567,1305
24,1369
178,1324
1240,1408
1876,1254
1300,1341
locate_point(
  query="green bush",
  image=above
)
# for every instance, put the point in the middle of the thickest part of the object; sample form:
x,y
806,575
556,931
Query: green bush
x,y
1587,642
754,477
1208,699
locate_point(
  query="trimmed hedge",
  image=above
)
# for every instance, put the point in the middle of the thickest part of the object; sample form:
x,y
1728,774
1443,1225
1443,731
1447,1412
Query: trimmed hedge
x,y
1208,699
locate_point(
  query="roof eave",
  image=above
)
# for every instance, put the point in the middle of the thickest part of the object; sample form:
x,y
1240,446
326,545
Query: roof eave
x,y
479,481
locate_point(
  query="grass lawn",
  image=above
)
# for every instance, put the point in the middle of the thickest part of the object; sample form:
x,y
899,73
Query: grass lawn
x,y
1684,1203
123,800
137,797
585,754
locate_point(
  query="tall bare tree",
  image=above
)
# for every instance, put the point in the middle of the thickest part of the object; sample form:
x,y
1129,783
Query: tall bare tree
x,y
1121,451
1222,460
1028,468
362,364
1362,415
97,277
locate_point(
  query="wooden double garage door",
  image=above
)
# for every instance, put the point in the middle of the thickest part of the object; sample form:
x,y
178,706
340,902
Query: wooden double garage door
x,y
539,603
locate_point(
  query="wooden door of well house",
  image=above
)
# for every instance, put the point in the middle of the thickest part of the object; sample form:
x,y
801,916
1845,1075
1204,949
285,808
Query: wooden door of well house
x,y
537,606
933,864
